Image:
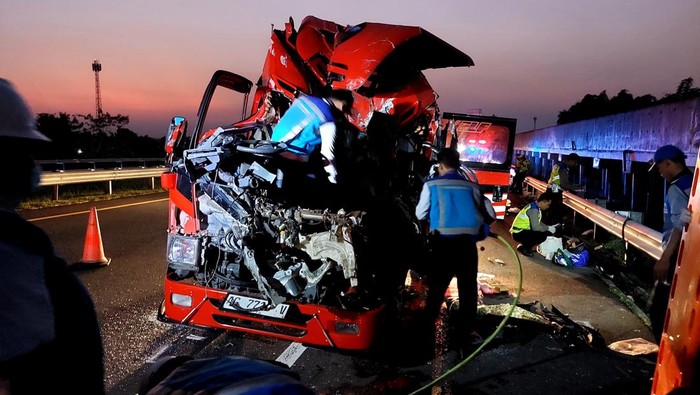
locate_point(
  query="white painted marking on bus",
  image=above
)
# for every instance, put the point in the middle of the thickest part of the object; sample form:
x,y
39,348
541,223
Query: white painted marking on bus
x,y
291,354
102,209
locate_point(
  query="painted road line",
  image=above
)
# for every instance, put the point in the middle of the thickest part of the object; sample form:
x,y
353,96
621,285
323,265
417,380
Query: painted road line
x,y
102,209
154,358
291,354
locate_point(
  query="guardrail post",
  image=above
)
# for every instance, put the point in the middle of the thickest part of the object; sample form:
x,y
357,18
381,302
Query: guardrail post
x,y
108,187
153,183
55,192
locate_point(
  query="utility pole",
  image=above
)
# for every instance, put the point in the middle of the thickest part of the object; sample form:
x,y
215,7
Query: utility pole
x,y
97,67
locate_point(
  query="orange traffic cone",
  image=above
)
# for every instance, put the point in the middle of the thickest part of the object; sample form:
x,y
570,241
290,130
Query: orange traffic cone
x,y
93,253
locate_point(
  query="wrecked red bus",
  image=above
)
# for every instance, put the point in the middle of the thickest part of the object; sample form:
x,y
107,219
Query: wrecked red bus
x,y
253,248
485,145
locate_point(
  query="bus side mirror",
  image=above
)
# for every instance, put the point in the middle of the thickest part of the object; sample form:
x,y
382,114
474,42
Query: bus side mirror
x,y
173,138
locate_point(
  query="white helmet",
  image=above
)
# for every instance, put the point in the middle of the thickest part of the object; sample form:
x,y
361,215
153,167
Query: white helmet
x,y
16,119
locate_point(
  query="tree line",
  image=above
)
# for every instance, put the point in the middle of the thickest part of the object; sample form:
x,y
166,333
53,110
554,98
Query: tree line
x,y
76,136
595,106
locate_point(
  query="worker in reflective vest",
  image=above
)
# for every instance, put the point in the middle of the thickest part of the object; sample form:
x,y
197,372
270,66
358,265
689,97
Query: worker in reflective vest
x,y
528,229
558,182
559,177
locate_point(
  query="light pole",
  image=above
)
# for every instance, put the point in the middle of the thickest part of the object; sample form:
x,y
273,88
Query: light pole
x,y
534,126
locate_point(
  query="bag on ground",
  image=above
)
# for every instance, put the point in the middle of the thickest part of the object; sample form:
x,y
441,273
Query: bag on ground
x,y
550,246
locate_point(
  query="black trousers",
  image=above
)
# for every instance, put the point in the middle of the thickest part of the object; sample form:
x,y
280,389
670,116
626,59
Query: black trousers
x,y
450,257
659,302
518,182
555,212
530,238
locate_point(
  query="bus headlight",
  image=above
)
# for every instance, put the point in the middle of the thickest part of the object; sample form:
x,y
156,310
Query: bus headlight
x,y
183,252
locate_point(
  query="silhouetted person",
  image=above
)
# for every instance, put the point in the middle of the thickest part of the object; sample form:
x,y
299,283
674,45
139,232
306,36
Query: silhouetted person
x,y
49,334
559,181
523,166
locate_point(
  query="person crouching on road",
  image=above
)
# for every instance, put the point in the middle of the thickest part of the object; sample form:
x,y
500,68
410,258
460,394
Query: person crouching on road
x,y
528,229
449,203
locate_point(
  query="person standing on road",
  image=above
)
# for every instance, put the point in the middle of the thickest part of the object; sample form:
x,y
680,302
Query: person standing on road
x,y
669,161
559,181
450,205
527,227
309,122
523,166
50,340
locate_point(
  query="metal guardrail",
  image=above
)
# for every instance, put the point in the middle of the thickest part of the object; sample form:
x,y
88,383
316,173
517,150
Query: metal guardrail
x,y
56,179
94,164
644,238
83,176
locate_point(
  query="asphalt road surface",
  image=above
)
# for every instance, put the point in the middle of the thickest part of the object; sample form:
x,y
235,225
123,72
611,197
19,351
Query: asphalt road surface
x,y
525,357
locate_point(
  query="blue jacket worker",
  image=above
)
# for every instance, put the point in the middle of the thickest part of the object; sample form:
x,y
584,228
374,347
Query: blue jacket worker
x,y
450,203
669,161
310,122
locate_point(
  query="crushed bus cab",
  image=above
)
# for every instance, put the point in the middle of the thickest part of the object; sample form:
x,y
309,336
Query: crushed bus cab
x,y
253,243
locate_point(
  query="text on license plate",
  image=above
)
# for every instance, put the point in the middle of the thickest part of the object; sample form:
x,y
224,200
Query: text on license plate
x,y
254,306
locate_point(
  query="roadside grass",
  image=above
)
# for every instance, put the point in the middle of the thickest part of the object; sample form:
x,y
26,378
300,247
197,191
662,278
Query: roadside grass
x,y
84,193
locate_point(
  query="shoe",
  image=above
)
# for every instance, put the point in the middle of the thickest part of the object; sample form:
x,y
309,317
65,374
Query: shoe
x,y
523,251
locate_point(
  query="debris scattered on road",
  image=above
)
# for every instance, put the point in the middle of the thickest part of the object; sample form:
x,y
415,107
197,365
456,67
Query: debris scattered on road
x,y
636,346
496,261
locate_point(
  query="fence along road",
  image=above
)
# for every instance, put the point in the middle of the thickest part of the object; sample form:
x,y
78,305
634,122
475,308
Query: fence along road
x,y
60,176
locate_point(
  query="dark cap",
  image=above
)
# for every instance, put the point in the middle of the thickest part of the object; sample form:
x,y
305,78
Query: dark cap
x,y
449,157
667,152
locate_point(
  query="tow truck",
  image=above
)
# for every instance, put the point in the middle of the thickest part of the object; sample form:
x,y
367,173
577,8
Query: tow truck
x,y
253,247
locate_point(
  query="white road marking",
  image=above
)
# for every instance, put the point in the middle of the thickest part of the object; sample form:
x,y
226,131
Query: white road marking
x,y
291,354
102,209
153,358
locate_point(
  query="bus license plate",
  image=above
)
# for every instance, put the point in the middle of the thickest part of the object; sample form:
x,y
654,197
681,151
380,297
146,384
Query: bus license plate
x,y
254,306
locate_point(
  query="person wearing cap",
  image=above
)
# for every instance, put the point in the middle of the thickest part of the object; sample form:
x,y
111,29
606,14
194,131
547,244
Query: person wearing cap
x,y
310,122
669,161
50,339
523,166
450,204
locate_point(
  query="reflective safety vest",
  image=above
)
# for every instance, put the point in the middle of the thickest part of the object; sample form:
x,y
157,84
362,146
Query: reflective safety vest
x,y
453,209
522,221
554,179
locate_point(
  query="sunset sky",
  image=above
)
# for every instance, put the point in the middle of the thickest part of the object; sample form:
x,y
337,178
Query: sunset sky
x,y
533,58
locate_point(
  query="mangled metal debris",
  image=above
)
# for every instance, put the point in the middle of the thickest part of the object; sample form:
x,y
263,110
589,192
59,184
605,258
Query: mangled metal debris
x,y
570,333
